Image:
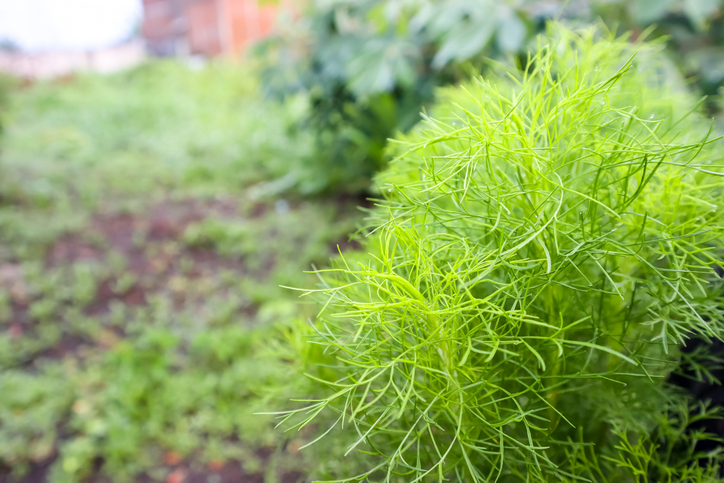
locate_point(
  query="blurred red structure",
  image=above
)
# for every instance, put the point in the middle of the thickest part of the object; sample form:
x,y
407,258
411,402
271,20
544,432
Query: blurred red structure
x,y
206,27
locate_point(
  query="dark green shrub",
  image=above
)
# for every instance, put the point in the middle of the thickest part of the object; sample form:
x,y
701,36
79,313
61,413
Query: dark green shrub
x,y
369,66
547,241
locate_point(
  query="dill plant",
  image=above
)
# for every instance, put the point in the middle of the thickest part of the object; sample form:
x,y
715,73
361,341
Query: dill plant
x,y
548,240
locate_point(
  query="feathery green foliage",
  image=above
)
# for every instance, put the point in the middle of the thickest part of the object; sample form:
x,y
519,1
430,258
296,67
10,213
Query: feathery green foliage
x,y
547,241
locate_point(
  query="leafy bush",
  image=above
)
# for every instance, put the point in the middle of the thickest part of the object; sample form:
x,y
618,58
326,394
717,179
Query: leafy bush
x,y
548,240
369,66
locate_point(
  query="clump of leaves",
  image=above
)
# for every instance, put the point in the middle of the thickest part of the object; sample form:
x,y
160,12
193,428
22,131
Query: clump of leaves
x,y
548,240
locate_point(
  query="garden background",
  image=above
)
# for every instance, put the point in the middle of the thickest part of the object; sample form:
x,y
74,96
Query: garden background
x,y
151,222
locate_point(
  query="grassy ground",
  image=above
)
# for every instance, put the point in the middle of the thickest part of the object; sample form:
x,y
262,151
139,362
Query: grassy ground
x,y
142,247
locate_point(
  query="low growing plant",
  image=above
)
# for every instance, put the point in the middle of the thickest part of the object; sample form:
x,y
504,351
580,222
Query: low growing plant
x,y
547,242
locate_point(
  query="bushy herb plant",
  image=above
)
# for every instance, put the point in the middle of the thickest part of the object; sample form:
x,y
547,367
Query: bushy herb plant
x,y
548,240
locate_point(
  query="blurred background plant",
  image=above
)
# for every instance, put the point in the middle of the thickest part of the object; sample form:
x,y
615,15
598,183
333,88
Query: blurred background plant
x,y
694,30
367,68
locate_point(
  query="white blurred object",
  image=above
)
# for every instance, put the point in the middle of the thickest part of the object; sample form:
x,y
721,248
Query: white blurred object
x,y
196,62
68,25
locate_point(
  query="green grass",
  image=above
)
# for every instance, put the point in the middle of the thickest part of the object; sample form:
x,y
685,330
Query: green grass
x,y
548,239
143,240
